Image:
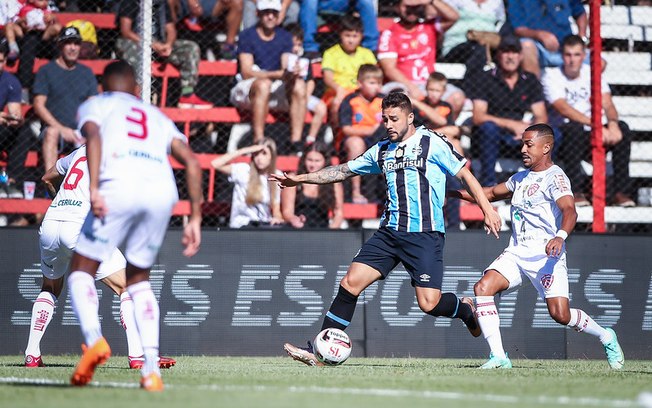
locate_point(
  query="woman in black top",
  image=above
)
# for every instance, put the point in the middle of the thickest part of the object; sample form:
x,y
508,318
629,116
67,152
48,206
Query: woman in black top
x,y
311,205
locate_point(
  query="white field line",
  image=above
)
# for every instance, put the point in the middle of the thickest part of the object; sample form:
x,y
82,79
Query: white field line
x,y
372,392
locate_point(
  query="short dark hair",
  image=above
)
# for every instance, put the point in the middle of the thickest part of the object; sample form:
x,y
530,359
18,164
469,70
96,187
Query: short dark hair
x,y
397,100
295,29
119,68
351,23
437,77
572,40
542,130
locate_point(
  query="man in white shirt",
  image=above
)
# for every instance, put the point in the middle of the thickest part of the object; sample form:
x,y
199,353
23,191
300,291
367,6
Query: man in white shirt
x,y
133,192
568,91
543,214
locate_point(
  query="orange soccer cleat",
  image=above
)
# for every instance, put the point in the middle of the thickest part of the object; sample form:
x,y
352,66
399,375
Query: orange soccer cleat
x,y
151,382
92,357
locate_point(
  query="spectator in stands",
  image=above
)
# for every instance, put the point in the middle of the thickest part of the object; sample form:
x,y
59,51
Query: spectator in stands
x,y
341,63
360,119
196,14
268,82
8,13
59,88
10,123
256,201
289,13
568,91
36,16
34,26
506,100
543,25
308,18
438,116
407,49
313,104
435,113
183,54
309,205
466,40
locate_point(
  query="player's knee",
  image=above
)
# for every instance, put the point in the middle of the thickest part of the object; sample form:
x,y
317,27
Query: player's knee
x,y
351,285
54,286
560,316
427,304
481,288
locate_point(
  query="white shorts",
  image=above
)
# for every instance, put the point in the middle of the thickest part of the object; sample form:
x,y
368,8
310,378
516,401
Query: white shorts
x,y
58,239
278,98
139,221
548,275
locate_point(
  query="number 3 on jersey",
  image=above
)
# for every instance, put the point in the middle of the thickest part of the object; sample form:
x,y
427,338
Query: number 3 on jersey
x,y
70,183
140,122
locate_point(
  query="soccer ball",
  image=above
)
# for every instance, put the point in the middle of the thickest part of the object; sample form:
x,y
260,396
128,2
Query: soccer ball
x,y
332,346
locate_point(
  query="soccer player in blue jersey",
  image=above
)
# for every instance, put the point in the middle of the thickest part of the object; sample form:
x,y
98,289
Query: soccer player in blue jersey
x,y
414,162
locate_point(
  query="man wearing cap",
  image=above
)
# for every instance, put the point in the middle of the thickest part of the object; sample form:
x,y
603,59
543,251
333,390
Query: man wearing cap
x,y
59,88
506,100
268,83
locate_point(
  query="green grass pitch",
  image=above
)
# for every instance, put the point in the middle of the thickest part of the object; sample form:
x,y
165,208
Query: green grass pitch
x,y
361,382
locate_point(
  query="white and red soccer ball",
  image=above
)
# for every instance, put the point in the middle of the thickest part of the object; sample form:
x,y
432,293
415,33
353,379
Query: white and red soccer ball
x,y
332,346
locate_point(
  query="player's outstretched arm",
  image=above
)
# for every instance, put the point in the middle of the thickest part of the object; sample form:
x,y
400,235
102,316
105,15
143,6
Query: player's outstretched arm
x,y
327,175
568,219
492,221
192,231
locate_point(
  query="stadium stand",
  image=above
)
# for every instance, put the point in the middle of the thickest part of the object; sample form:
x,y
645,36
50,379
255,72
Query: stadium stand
x,y
626,32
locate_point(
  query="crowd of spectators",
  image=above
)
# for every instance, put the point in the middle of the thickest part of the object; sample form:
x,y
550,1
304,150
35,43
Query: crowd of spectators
x,y
505,50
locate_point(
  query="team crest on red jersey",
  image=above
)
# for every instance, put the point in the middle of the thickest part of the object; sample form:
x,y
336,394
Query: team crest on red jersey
x,y
546,281
533,189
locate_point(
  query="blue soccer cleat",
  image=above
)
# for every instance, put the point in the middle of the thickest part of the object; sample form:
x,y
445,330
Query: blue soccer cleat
x,y
495,362
615,355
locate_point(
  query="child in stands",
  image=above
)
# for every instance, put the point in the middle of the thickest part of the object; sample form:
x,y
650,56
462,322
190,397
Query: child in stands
x,y
34,15
360,118
315,105
341,63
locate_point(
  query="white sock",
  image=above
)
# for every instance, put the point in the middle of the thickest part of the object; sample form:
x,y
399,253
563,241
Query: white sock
x,y
42,312
489,321
146,312
128,321
582,322
83,296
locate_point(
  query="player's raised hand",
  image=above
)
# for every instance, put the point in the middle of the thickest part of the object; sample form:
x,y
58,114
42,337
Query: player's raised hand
x,y
284,180
492,223
98,205
191,239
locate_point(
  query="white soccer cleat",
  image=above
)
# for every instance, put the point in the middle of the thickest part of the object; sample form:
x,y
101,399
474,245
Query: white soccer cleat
x,y
304,355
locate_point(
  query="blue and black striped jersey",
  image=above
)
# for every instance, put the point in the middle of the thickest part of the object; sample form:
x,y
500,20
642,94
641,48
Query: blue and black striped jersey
x,y
415,174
